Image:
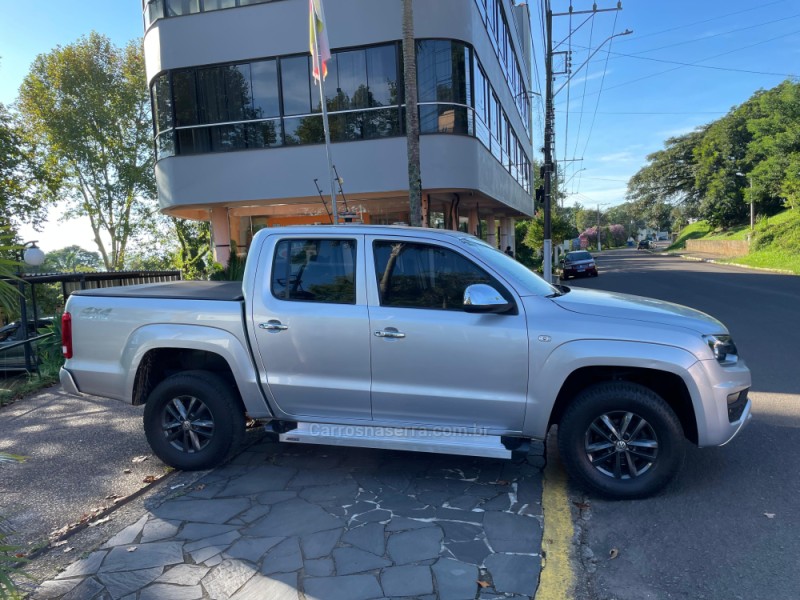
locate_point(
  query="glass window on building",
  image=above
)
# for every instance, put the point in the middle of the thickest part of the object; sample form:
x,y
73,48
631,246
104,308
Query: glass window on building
x,y
266,101
382,75
352,75
217,4
185,90
295,80
176,8
162,103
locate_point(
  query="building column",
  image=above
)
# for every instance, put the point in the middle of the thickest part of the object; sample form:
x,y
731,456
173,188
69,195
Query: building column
x,y
512,234
504,233
454,217
220,235
472,228
491,231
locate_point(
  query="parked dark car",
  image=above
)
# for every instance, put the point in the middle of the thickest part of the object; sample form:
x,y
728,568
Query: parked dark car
x,y
579,262
12,358
643,245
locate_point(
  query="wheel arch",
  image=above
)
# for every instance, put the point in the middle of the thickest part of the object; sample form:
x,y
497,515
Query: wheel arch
x,y
668,386
154,353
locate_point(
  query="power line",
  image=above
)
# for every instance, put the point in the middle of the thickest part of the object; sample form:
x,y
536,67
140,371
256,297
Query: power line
x,y
583,99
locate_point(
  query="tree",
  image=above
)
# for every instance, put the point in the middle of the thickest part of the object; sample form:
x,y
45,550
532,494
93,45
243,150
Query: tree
x,y
87,109
560,227
17,172
71,258
412,114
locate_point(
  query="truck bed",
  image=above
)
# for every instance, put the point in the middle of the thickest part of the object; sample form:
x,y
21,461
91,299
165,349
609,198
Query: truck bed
x,y
178,290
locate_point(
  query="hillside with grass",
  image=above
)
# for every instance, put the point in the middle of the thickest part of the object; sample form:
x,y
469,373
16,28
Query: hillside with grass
x,y
775,241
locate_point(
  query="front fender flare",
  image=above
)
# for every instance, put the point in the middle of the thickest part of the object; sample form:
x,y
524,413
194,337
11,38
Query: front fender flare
x,y
548,377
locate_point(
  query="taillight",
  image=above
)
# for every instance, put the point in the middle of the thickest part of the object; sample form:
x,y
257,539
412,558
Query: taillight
x,y
66,335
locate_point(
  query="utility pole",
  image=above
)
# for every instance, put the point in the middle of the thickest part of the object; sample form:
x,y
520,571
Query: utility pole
x,y
549,120
547,251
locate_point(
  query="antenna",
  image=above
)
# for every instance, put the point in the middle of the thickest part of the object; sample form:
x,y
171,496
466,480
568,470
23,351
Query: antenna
x,y
322,198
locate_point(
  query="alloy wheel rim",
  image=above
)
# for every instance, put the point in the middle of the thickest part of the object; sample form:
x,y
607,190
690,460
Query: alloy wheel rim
x,y
187,424
621,444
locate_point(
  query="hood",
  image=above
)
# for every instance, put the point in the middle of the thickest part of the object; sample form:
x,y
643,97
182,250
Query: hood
x,y
638,308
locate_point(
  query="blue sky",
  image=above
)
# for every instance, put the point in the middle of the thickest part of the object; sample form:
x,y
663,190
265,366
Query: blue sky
x,y
620,108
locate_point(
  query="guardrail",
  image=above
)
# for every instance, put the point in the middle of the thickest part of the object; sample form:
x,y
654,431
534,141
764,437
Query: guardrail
x,y
32,362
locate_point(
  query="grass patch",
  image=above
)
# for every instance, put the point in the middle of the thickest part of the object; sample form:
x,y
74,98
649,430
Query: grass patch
x,y
695,231
14,388
775,241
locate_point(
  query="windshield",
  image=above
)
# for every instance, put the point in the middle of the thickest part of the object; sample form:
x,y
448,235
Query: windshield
x,y
521,277
572,256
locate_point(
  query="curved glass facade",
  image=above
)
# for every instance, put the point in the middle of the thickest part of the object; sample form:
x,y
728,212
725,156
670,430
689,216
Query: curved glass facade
x,y
160,9
273,102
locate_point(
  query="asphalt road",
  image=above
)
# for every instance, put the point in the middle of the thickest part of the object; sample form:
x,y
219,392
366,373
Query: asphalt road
x,y
729,527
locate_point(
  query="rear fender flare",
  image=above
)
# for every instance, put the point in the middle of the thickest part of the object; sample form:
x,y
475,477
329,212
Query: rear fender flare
x,y
195,337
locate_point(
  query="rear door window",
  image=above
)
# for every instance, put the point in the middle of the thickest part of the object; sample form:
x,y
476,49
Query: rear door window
x,y
315,270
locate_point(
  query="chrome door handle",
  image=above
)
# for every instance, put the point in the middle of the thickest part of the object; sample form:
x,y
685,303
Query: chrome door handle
x,y
389,334
273,326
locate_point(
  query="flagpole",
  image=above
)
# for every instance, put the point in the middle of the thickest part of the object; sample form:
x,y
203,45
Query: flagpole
x,y
325,126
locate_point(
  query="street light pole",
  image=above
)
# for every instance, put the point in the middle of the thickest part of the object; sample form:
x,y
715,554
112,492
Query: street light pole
x,y
32,255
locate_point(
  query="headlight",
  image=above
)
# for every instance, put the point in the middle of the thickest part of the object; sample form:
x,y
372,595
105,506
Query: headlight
x,y
723,348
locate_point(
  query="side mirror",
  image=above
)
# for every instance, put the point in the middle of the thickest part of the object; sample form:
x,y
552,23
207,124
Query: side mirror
x,y
482,298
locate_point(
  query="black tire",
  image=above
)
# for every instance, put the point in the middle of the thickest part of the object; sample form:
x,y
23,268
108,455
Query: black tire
x,y
609,460
193,420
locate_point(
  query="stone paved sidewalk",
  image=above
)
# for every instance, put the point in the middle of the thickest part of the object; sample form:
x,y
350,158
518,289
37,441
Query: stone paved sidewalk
x,y
327,523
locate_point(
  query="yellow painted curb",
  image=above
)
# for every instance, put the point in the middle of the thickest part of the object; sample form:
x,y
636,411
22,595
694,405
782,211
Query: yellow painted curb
x,y
557,580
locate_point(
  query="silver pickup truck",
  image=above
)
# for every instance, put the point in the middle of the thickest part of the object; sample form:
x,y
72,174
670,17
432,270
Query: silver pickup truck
x,y
410,339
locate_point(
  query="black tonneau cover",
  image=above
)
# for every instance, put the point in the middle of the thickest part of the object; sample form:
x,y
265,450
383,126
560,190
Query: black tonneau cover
x,y
177,290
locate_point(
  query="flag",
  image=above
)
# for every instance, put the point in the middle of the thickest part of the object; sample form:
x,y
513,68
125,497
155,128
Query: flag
x,y
318,38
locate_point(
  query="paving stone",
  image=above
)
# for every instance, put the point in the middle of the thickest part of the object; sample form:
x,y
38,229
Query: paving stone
x,y
404,523
401,502
227,577
121,583
355,560
202,555
251,548
156,554
57,588
88,588
317,545
460,532
282,586
463,502
413,546
406,581
203,511
294,517
473,551
283,558
257,481
159,529
183,575
316,476
430,499
86,566
452,514
501,502
165,591
213,561
199,531
372,516
320,567
369,537
512,533
127,535
349,587
254,513
455,580
221,541
207,490
340,493
514,573
270,498
529,491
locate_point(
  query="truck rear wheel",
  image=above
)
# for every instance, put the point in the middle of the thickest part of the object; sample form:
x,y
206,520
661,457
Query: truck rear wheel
x,y
193,420
621,440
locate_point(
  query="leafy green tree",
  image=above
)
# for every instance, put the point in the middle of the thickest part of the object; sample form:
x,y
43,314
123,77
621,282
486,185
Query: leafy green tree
x,y
71,258
86,108
560,227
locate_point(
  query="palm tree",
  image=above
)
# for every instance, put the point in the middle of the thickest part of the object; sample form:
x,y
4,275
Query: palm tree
x,y
412,114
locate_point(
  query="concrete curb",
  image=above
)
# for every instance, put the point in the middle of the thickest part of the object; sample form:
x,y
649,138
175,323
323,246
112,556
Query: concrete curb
x,y
715,261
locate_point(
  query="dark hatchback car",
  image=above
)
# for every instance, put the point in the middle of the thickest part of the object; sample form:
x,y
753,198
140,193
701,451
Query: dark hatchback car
x,y
643,245
577,263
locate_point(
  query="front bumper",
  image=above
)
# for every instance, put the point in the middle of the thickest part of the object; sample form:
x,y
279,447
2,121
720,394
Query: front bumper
x,y
719,419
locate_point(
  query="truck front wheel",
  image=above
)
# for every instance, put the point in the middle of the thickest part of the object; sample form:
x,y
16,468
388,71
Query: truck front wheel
x,y
193,420
621,440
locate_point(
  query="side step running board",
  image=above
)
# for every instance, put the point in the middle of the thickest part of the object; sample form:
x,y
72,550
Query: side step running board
x,y
388,438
